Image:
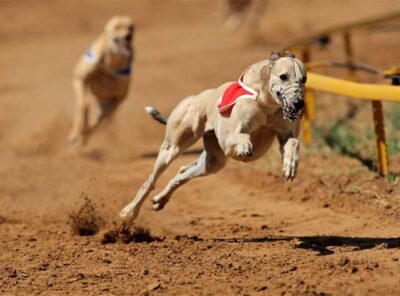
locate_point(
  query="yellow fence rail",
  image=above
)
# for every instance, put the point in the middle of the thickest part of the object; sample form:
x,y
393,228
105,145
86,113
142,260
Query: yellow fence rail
x,y
374,92
366,23
363,91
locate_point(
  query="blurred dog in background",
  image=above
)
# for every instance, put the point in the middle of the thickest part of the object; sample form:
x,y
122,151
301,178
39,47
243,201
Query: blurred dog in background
x,y
102,73
236,12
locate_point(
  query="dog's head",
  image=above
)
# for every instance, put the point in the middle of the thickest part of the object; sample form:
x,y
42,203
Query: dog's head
x,y
287,78
119,32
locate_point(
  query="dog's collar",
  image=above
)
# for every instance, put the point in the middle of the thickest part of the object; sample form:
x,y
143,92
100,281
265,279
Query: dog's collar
x,y
127,70
91,58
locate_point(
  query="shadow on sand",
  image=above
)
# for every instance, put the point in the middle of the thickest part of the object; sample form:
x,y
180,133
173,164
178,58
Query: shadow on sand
x,y
189,152
321,244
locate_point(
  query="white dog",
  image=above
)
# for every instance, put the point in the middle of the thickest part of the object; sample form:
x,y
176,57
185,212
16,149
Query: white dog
x,y
103,71
266,102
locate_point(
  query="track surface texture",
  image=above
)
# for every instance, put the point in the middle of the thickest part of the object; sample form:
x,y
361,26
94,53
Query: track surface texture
x,y
333,231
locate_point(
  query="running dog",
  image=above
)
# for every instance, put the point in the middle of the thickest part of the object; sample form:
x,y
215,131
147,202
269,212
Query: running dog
x,y
236,12
238,120
103,72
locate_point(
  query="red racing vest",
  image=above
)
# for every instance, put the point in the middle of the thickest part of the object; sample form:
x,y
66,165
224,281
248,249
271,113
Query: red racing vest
x,y
236,91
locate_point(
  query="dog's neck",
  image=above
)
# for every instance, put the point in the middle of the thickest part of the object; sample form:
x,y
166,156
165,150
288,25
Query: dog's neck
x,y
257,77
118,60
116,54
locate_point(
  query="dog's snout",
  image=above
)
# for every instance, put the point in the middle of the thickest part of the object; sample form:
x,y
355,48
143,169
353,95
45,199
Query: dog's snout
x,y
298,105
128,37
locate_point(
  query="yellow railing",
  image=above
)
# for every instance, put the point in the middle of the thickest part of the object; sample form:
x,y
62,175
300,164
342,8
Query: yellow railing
x,y
366,23
375,93
363,91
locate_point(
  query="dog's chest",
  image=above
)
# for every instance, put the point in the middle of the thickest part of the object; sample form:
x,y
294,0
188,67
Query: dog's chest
x,y
274,119
118,65
106,85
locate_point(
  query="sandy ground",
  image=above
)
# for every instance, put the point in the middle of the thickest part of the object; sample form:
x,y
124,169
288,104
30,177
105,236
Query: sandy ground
x,y
245,231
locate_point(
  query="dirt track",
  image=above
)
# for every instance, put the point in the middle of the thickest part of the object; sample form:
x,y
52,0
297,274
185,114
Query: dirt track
x,y
333,231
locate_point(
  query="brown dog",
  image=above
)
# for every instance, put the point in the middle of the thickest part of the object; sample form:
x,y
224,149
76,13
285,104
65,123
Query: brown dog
x,y
103,72
236,12
272,110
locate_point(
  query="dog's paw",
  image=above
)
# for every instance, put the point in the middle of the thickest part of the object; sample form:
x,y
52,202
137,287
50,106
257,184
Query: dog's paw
x,y
244,149
159,202
290,163
74,141
128,211
124,213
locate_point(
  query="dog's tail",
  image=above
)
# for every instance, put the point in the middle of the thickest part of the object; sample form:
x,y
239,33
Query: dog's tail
x,y
156,115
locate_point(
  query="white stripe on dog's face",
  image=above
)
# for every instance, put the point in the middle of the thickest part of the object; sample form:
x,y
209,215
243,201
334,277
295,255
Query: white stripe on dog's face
x,y
287,82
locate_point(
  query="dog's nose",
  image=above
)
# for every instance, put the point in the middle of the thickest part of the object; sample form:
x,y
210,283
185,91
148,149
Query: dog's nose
x,y
299,105
128,37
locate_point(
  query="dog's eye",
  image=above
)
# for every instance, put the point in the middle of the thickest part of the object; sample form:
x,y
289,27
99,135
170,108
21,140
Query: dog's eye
x,y
284,77
303,80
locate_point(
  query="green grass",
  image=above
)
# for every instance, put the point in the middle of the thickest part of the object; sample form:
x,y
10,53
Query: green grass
x,y
341,137
393,116
392,111
353,139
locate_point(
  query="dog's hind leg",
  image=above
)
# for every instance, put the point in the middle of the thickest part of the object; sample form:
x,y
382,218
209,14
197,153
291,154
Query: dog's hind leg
x,y
211,160
105,110
183,130
165,156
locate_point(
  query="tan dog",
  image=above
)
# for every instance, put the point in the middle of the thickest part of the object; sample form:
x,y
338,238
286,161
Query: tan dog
x,y
236,12
245,135
104,72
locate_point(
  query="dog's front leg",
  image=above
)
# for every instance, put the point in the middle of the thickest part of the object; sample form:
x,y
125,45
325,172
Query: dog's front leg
x,y
81,116
290,158
239,143
245,118
289,147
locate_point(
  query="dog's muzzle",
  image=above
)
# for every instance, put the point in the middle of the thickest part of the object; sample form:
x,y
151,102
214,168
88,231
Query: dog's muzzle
x,y
292,99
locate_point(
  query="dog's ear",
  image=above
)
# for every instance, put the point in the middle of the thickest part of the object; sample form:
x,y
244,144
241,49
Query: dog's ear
x,y
274,56
109,26
264,73
289,54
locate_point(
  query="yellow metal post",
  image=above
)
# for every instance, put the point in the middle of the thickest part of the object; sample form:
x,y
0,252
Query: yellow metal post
x,y
376,109
380,137
309,105
348,48
308,115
